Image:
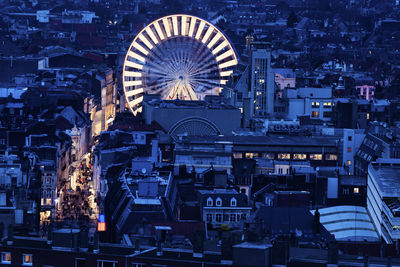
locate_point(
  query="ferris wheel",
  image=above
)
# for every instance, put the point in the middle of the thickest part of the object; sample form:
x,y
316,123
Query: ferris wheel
x,y
179,57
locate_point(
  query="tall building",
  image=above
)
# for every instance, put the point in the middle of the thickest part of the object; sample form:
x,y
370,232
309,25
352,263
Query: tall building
x,y
262,80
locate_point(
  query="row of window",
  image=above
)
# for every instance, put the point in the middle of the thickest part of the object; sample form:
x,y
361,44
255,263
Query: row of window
x,y
218,202
285,156
27,259
326,114
325,104
220,218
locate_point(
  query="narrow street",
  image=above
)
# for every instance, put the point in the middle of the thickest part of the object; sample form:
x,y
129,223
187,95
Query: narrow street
x,y
77,203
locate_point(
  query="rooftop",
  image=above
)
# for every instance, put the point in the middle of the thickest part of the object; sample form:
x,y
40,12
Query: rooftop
x,y
386,174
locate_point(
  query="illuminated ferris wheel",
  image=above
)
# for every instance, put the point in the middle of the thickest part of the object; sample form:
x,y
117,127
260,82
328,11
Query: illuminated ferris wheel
x,y
179,57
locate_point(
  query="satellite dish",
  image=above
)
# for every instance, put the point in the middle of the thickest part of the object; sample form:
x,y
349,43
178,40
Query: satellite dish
x,y
144,170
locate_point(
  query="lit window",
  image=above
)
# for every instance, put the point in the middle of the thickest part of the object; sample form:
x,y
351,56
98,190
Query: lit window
x,y
209,202
327,104
233,202
237,155
315,114
331,157
349,162
27,259
218,217
315,156
249,155
315,104
349,149
48,202
299,156
6,257
218,202
356,190
209,217
283,156
367,116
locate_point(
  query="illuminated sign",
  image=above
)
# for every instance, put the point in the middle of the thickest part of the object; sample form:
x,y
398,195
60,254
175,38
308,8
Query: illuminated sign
x,y
101,224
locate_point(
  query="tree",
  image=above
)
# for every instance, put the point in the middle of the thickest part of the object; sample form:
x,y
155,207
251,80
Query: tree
x,y
291,20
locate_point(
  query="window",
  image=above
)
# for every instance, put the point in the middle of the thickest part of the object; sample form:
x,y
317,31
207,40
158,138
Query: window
x,y
80,262
218,202
232,218
283,156
315,156
6,257
269,155
134,264
48,202
345,191
106,263
209,202
315,104
356,190
349,149
243,216
315,114
237,155
349,137
331,157
218,217
327,114
327,104
27,259
209,217
299,156
249,155
233,202
348,162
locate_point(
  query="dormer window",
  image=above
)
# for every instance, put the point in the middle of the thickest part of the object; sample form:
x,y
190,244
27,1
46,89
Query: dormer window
x,y
218,202
233,202
209,202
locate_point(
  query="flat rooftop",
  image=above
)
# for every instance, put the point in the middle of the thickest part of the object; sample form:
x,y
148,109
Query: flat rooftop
x,y
386,173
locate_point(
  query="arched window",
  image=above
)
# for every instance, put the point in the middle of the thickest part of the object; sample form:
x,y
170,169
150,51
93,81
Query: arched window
x,y
209,202
218,202
233,202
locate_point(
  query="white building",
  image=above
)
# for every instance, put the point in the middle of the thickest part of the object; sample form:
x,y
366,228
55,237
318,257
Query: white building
x,y
383,193
309,101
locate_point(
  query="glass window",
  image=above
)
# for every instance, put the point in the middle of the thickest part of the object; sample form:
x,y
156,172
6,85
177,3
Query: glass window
x,y
299,156
27,259
315,104
249,155
218,217
331,157
349,138
233,218
237,155
6,257
315,156
209,217
327,104
218,202
134,264
315,114
349,162
243,216
233,202
356,190
349,149
283,156
209,202
269,155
